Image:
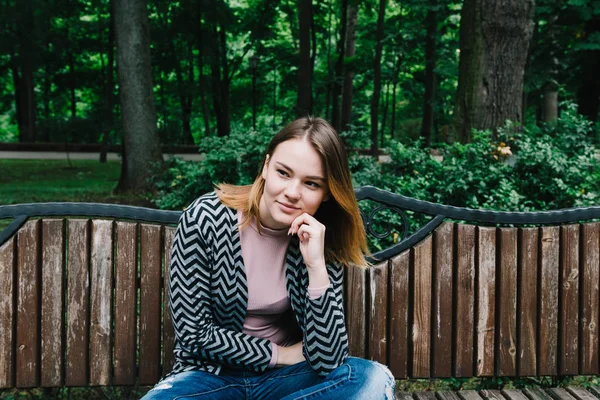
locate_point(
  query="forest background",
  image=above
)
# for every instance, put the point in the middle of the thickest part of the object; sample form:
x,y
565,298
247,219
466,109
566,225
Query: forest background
x,y
477,103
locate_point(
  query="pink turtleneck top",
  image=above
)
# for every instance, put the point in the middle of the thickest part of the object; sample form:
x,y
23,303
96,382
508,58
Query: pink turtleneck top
x,y
269,315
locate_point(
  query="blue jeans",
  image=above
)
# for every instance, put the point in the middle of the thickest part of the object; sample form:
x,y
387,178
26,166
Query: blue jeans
x,y
355,379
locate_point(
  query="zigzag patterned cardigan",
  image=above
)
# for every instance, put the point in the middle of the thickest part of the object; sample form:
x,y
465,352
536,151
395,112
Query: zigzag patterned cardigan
x,y
209,298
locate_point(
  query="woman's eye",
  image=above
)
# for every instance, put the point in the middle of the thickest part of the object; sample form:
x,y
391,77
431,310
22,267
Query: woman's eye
x,y
282,172
313,185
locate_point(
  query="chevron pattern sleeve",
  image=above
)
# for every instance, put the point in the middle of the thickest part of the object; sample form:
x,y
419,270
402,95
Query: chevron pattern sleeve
x,y
325,338
200,342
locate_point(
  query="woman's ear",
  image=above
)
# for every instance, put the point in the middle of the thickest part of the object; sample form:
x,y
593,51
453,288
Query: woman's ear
x,y
265,167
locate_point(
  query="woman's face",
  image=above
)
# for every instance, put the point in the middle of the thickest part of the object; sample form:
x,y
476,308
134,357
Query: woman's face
x,y
295,183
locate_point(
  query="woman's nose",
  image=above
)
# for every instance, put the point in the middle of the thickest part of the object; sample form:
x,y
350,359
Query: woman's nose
x,y
292,190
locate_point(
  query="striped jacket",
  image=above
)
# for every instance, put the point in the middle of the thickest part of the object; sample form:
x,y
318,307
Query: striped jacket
x,y
209,297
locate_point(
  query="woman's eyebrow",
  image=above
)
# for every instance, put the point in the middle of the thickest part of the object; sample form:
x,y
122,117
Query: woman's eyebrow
x,y
313,177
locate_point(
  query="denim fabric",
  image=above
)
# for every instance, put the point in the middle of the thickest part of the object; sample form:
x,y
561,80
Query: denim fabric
x,y
355,379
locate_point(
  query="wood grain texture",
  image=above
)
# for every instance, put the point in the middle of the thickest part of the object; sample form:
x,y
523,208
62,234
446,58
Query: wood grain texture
x,y
528,281
569,305
168,332
548,316
150,299
77,302
441,344
514,394
486,301
580,393
465,300
421,326
101,302
560,394
491,394
507,305
378,310
447,395
8,265
469,395
535,393
53,260
589,298
28,302
125,303
399,292
356,310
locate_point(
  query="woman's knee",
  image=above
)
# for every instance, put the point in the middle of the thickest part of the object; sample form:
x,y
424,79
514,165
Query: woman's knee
x,y
377,377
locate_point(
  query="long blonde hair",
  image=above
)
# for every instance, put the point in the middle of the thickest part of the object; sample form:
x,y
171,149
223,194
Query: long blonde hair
x,y
345,239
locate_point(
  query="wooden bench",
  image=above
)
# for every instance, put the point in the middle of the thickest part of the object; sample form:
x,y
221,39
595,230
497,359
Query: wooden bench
x,y
470,293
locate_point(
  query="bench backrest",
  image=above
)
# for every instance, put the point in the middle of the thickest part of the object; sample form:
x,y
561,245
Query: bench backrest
x,y
83,300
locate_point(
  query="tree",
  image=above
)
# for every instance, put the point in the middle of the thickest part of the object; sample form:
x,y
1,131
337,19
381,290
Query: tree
x,y
349,70
304,105
430,78
141,146
494,40
377,80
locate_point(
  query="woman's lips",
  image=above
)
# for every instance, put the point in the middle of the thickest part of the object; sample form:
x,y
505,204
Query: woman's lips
x,y
287,207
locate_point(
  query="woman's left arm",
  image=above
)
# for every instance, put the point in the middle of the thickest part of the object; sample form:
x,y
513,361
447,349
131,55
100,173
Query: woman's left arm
x,y
325,337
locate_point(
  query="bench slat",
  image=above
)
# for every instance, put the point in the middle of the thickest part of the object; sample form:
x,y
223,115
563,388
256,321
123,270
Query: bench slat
x,y
548,316
150,268
7,312
399,293
589,297
28,312
469,395
356,310
421,326
53,259
569,293
595,390
425,396
465,304
580,393
125,303
486,300
507,345
168,332
76,368
447,395
378,310
535,393
491,394
527,283
101,302
443,239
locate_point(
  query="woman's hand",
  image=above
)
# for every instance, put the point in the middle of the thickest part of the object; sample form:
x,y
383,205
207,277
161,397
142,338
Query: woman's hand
x,y
290,355
312,246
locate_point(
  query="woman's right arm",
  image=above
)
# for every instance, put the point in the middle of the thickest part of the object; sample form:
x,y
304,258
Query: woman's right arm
x,y
191,307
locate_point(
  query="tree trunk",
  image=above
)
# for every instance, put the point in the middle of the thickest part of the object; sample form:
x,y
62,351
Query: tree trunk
x,y
588,96
430,78
349,73
140,138
329,69
494,40
109,86
201,82
386,103
377,80
23,68
550,102
304,103
336,119
226,80
396,72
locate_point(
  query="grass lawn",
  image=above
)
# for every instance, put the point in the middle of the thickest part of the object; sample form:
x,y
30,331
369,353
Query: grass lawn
x,y
28,181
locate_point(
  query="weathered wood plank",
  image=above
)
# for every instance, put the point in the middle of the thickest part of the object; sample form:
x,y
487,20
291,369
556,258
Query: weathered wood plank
x,y
580,393
356,311
101,302
507,306
447,395
548,316
514,394
465,300
8,254
378,300
150,268
441,344
560,394
589,298
486,301
569,294
425,396
528,281
28,301
399,292
168,332
421,326
53,259
125,303
535,393
78,287
403,395
595,390
469,395
491,394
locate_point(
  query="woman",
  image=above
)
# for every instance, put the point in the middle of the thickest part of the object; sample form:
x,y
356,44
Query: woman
x,y
256,281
